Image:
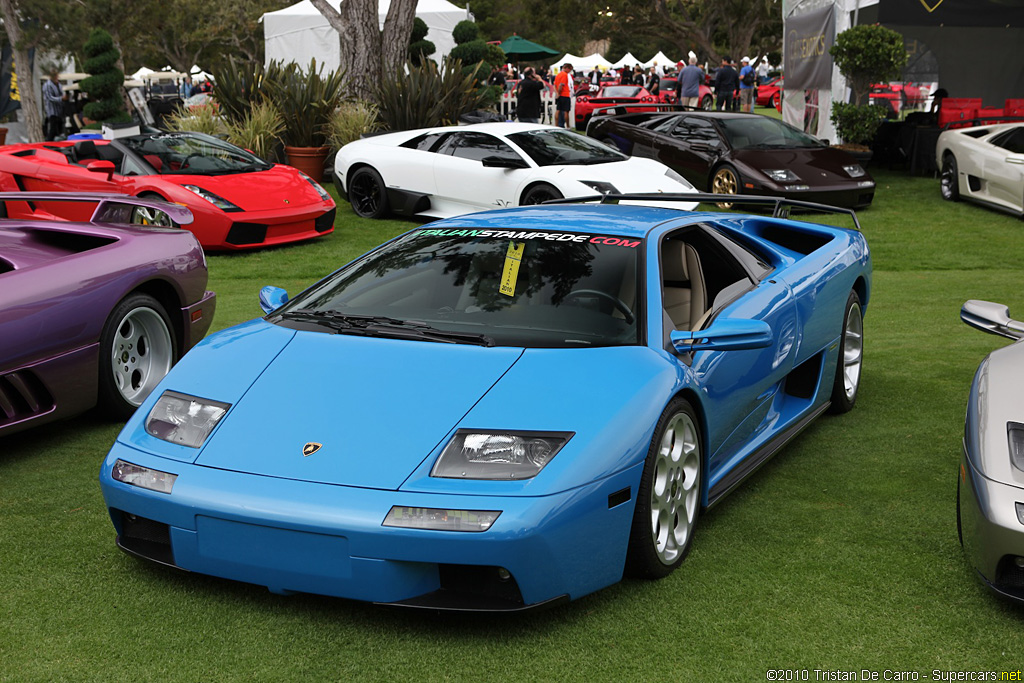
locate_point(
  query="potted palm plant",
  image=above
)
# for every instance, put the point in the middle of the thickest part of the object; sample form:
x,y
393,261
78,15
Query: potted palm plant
x,y
306,101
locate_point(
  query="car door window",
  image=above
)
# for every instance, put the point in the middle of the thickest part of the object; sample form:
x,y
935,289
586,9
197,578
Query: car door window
x,y
1012,141
477,146
694,129
428,142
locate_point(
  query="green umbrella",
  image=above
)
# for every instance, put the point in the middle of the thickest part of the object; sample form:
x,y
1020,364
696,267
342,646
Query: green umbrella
x,y
518,48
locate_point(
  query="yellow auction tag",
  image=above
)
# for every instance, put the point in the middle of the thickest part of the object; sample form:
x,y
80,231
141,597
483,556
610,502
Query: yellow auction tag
x,y
509,275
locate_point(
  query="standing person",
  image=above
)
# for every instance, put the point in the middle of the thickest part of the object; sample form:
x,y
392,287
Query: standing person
x,y
747,82
762,71
653,82
186,90
53,104
528,94
625,76
726,81
689,82
497,77
563,93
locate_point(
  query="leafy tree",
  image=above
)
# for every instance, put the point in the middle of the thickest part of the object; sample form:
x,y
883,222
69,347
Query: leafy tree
x,y
868,54
105,81
367,52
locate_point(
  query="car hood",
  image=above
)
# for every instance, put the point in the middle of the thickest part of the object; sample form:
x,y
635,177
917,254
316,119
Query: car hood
x,y
379,407
631,175
815,166
279,187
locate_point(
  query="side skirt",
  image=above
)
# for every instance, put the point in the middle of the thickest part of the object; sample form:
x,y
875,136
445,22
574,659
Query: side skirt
x,y
736,476
406,203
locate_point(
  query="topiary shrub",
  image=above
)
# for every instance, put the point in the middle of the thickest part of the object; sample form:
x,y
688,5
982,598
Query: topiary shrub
x,y
419,47
465,31
857,124
105,81
868,54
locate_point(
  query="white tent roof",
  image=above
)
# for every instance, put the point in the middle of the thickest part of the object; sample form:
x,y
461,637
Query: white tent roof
x,y
143,73
627,60
661,60
299,33
577,62
590,61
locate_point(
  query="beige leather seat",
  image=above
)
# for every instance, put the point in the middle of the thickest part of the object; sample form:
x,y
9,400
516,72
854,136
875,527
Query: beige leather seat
x,y
684,292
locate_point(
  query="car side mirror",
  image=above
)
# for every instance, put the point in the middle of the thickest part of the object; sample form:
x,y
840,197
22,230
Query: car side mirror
x,y
272,298
724,335
992,318
101,166
826,142
503,162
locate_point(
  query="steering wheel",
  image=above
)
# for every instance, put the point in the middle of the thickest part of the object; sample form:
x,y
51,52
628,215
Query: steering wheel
x,y
619,304
184,162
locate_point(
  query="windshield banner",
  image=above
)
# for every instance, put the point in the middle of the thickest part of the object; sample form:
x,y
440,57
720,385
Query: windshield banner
x,y
807,63
610,240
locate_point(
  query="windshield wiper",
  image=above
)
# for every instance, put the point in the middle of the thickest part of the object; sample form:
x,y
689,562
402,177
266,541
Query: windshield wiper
x,y
379,325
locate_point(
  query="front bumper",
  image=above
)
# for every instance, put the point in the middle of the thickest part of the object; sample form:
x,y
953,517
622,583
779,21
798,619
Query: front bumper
x,y
993,535
851,195
296,536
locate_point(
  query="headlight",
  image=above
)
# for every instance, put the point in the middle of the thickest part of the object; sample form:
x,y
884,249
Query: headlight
x,y
185,420
216,200
1015,431
143,477
484,454
855,171
600,186
781,175
316,186
441,520
672,175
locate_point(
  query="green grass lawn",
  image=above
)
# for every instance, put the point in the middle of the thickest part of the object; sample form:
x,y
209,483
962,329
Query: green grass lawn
x,y
841,553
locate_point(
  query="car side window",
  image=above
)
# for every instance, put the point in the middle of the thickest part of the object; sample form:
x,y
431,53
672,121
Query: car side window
x,y
477,146
1012,141
695,129
131,167
428,142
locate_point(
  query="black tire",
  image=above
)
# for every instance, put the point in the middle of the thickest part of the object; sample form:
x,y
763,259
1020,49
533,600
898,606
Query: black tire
x,y
539,193
368,194
142,216
949,179
725,180
671,483
707,103
138,333
846,384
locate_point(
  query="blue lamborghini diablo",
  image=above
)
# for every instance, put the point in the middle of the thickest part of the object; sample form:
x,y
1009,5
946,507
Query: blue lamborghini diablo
x,y
496,411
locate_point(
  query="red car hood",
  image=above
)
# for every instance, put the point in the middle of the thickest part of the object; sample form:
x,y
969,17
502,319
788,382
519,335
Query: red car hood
x,y
256,191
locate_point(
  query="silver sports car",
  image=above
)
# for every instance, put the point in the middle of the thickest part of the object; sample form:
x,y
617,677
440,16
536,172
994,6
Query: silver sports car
x,y
984,164
990,487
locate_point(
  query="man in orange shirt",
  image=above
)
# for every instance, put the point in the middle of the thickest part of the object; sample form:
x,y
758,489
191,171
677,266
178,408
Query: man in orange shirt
x,y
563,91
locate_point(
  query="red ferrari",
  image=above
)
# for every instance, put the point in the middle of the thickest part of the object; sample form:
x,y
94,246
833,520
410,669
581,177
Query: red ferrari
x,y
612,95
239,201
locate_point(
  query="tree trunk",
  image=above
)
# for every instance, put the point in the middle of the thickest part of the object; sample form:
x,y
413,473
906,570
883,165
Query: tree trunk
x,y
22,67
359,39
396,35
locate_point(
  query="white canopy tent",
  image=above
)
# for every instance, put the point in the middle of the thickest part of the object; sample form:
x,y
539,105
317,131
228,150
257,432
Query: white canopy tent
x,y
577,62
590,61
299,33
627,60
660,60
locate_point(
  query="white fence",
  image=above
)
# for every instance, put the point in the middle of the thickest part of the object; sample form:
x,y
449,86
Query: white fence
x,y
507,106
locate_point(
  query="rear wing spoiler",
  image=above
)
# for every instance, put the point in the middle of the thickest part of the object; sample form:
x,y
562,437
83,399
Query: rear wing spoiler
x,y
110,208
780,206
647,108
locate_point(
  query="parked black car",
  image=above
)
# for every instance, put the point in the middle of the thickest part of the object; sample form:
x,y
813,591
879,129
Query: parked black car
x,y
733,152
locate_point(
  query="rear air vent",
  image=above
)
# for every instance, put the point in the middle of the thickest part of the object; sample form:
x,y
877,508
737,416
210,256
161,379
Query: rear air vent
x,y
69,242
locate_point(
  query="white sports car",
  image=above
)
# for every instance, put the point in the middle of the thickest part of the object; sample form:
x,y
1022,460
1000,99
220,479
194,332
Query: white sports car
x,y
984,164
454,170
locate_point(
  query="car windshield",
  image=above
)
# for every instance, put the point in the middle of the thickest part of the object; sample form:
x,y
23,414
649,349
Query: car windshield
x,y
620,91
761,132
492,287
192,154
562,147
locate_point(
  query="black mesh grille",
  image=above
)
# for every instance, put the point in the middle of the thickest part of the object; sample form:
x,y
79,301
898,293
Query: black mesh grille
x,y
1008,574
326,221
147,538
247,233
